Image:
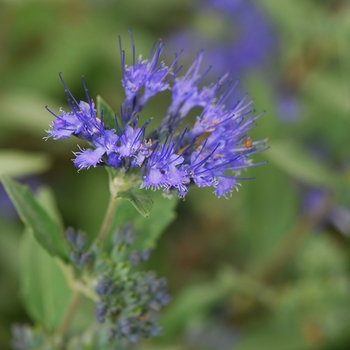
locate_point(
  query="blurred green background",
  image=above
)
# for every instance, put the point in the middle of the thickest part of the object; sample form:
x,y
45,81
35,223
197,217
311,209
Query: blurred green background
x,y
270,267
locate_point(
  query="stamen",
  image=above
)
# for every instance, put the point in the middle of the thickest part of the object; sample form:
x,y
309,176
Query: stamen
x,y
207,157
122,57
200,79
48,109
67,89
133,50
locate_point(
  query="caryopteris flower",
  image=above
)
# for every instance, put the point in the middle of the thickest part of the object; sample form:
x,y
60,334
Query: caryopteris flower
x,y
128,301
210,153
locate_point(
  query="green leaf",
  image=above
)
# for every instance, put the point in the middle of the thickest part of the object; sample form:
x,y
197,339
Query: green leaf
x,y
20,163
197,300
25,112
259,229
36,218
327,92
44,290
83,317
293,159
142,202
46,198
268,335
108,114
191,302
148,229
286,13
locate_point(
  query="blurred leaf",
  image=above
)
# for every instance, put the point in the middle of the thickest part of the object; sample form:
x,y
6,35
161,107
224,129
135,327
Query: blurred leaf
x,y
9,270
142,202
196,300
103,109
47,199
268,335
192,301
84,315
148,229
320,257
9,239
60,54
44,290
330,92
26,112
36,218
20,163
290,15
270,203
293,159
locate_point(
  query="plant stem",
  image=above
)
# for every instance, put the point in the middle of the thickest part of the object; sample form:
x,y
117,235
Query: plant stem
x,y
107,221
77,295
68,317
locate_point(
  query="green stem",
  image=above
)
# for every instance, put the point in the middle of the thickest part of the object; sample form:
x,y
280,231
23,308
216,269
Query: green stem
x,y
68,317
115,184
107,221
77,295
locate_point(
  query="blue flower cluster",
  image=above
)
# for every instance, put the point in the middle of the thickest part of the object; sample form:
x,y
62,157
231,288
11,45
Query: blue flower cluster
x,y
79,255
128,301
131,304
27,337
211,153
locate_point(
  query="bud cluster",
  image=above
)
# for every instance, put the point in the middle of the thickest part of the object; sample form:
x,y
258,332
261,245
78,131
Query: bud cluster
x,y
25,337
128,300
79,255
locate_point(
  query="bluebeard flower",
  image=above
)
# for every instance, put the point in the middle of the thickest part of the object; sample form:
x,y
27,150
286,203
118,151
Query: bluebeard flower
x,y
212,153
134,258
137,257
105,285
289,108
243,37
26,337
131,304
146,254
125,235
127,301
130,329
78,255
101,311
146,73
317,201
256,39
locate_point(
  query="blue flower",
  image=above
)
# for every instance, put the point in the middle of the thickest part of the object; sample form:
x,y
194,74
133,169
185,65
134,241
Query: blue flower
x,y
145,73
163,168
211,153
78,255
249,38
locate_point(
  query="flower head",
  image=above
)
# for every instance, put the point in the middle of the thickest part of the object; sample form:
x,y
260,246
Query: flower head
x,y
211,153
